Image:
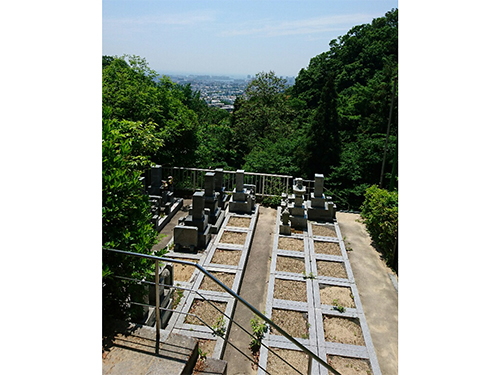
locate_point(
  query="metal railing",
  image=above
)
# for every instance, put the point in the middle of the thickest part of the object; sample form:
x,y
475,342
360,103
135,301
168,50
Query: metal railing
x,y
157,260
265,184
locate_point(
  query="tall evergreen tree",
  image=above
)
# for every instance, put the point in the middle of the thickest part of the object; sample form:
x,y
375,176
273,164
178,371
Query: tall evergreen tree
x,y
323,139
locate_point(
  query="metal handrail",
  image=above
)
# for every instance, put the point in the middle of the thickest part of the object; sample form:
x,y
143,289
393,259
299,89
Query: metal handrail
x,y
228,290
206,324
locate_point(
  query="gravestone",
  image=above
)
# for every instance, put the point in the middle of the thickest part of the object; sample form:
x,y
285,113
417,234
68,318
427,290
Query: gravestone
x,y
193,231
296,207
216,216
156,183
285,222
161,197
243,199
219,188
320,208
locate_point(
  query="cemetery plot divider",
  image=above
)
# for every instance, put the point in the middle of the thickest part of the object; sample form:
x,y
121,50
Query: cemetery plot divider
x,y
316,311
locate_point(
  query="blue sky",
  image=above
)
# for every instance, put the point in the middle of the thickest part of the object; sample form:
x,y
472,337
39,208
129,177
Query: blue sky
x,y
230,37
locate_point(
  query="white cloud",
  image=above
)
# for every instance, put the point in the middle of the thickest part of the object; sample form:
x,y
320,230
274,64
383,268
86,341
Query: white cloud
x,y
271,28
179,19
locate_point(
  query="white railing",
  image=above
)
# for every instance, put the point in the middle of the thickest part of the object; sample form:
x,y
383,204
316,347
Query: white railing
x,y
265,184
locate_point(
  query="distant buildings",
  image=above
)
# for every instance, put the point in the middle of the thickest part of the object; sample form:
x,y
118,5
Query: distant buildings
x,y
219,91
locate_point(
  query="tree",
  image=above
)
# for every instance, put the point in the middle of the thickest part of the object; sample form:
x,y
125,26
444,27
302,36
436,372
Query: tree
x,y
125,210
131,91
323,139
265,88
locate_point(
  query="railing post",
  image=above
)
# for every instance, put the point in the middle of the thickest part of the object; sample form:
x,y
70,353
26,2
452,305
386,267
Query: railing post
x,y
157,302
309,365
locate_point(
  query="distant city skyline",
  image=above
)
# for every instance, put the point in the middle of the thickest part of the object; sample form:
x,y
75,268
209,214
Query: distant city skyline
x,y
234,38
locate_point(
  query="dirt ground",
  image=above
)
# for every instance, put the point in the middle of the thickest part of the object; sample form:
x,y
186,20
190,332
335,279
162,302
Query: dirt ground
x,y
290,264
342,330
207,346
290,290
224,277
331,269
229,257
330,248
182,272
242,222
327,230
294,323
276,366
294,244
343,295
235,238
349,366
205,311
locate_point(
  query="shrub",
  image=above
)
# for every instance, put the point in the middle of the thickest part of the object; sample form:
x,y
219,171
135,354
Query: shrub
x,y
380,214
259,329
271,201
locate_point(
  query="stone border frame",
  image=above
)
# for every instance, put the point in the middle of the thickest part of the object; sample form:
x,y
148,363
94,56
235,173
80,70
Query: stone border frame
x,y
316,342
325,348
277,341
201,332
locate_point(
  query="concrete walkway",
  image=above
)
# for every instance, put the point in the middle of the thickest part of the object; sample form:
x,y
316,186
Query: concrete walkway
x,y
377,292
253,290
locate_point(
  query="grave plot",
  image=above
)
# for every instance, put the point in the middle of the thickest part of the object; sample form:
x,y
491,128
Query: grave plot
x,y
291,243
342,330
183,273
233,237
334,295
295,323
225,258
290,264
312,295
350,366
324,230
329,248
238,221
228,257
275,364
292,290
208,313
225,277
331,269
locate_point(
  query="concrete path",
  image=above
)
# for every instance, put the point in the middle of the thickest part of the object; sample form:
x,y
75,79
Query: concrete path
x,y
253,290
377,292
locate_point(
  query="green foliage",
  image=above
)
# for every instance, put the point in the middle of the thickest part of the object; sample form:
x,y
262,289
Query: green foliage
x,y
259,329
380,214
344,95
264,115
219,327
337,306
201,354
178,294
272,201
125,210
133,92
306,276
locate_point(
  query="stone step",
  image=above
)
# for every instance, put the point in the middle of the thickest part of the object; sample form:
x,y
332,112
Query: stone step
x,y
134,351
